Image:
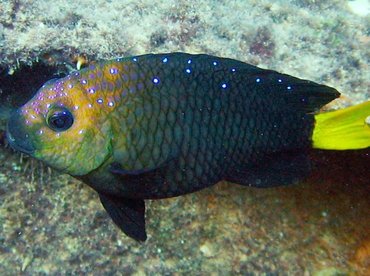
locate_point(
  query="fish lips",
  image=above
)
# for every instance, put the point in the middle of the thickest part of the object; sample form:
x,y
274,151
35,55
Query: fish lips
x,y
17,135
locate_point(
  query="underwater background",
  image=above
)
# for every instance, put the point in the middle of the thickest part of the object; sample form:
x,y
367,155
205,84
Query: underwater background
x,y
51,223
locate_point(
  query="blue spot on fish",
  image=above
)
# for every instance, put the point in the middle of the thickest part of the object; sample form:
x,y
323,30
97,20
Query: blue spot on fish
x,y
155,80
113,70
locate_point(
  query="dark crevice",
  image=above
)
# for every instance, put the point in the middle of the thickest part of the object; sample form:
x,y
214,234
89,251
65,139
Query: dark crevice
x,y
21,85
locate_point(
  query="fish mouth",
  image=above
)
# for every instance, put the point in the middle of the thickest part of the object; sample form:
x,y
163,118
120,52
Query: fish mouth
x,y
17,135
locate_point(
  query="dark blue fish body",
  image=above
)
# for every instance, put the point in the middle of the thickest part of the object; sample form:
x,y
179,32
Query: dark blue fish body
x,y
171,124
213,119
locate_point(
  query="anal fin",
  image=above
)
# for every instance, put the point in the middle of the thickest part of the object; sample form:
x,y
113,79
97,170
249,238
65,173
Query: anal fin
x,y
275,170
127,214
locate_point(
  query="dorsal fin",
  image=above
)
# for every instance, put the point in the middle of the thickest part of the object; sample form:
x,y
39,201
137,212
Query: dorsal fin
x,y
299,94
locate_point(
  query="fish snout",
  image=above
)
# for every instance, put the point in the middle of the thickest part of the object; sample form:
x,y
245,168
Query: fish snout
x,y
17,135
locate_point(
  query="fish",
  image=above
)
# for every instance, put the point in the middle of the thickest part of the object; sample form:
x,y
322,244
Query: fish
x,y
163,125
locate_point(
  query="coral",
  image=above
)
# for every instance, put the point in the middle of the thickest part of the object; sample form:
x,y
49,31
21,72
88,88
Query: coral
x,y
262,44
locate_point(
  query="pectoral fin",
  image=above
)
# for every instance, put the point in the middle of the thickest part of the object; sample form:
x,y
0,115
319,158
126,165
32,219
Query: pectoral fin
x,y
127,214
116,168
281,168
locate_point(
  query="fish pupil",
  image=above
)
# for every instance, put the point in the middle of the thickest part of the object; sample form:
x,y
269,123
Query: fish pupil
x,y
60,120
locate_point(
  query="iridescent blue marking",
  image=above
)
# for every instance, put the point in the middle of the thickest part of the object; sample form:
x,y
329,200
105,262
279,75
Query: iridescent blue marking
x,y
125,77
99,101
111,104
133,76
215,63
113,70
188,70
289,87
91,90
189,61
118,83
258,80
132,89
279,80
155,80
140,86
110,86
224,85
70,86
84,81
233,70
134,59
165,60
76,73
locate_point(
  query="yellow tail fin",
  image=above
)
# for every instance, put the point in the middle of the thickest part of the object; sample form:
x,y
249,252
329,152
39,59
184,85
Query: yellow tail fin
x,y
343,129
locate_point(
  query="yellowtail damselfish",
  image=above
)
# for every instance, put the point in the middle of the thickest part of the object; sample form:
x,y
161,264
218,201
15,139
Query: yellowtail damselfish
x,y
163,125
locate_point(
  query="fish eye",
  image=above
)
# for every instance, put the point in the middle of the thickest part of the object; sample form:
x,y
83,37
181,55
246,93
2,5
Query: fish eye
x,y
60,120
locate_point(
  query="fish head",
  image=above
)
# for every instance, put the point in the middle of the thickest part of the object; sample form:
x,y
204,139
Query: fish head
x,y
61,127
